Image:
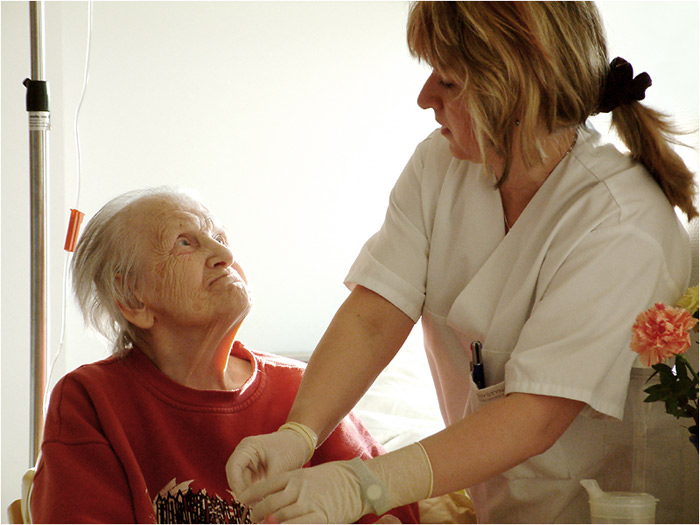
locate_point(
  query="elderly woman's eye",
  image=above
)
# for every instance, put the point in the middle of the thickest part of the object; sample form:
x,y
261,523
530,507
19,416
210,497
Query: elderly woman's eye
x,y
183,241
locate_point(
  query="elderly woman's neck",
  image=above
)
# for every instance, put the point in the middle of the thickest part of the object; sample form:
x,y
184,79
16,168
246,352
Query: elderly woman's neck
x,y
199,360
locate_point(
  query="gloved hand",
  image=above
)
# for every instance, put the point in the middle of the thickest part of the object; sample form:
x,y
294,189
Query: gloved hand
x,y
257,457
328,493
343,491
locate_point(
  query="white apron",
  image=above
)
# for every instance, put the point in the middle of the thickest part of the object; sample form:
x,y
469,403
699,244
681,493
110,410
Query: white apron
x,y
552,302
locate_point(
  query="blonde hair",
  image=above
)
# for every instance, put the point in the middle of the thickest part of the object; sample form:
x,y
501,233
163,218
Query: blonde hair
x,y
538,64
106,265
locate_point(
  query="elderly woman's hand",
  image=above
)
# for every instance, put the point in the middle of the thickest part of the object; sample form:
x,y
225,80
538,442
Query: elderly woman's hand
x,y
257,457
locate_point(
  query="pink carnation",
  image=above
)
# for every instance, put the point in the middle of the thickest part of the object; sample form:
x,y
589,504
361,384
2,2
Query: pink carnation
x,y
661,332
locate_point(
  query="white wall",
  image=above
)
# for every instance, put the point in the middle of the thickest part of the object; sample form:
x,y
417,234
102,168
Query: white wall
x,y
292,120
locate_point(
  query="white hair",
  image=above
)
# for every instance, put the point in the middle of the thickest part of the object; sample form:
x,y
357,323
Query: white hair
x,y
105,266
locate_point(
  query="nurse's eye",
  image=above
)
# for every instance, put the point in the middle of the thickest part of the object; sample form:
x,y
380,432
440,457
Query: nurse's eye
x,y
446,85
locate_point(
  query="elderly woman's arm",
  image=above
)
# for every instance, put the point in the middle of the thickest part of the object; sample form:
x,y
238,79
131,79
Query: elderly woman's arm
x,y
81,484
79,477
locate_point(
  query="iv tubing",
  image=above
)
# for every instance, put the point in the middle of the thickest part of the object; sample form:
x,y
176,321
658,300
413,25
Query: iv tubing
x,y
68,255
80,105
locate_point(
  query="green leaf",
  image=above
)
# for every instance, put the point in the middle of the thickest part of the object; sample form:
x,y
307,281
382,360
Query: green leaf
x,y
677,388
673,408
657,393
682,386
666,375
653,397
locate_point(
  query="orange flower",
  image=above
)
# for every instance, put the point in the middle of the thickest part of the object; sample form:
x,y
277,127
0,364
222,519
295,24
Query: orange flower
x,y
661,332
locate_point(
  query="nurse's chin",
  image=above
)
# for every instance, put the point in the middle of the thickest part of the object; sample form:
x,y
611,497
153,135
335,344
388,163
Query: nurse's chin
x,y
458,153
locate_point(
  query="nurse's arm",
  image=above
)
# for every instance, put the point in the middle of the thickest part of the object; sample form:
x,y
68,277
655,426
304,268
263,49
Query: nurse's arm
x,y
360,341
498,437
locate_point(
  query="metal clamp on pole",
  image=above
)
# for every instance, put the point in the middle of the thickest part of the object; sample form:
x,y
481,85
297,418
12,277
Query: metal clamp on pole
x,y
38,104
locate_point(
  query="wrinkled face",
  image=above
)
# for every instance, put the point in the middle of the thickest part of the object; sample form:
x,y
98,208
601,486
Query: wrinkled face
x,y
440,95
190,275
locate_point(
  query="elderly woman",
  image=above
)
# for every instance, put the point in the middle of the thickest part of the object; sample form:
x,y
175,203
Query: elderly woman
x,y
144,436
527,247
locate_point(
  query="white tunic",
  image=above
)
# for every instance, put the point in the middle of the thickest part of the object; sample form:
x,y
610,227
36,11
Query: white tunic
x,y
553,301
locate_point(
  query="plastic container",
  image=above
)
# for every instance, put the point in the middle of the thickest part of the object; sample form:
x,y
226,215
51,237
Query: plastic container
x,y
620,507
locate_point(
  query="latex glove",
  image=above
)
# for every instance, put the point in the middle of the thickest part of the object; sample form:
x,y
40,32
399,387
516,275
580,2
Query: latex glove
x,y
257,457
328,493
343,491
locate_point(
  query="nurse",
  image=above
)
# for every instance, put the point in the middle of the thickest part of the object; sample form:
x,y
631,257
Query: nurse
x,y
513,226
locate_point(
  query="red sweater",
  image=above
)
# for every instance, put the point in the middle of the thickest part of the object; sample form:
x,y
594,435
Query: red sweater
x,y
123,443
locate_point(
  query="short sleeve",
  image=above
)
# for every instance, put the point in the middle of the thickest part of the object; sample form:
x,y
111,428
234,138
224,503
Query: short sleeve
x,y
393,262
575,344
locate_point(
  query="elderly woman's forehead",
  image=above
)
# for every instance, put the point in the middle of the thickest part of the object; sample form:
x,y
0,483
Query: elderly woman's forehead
x,y
160,211
165,206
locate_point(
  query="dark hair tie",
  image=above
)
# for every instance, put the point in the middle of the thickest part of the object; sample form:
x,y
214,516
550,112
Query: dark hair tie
x,y
620,86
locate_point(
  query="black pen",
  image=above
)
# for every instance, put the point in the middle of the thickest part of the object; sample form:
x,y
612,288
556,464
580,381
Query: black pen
x,y
477,367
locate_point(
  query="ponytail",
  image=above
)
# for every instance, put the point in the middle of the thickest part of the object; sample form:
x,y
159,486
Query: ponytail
x,y
648,135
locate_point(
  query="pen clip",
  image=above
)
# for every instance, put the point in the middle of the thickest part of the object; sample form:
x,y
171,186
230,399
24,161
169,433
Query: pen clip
x,y
476,347
477,367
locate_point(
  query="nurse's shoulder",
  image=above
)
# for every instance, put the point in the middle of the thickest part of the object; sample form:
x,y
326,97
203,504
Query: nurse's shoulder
x,y
637,202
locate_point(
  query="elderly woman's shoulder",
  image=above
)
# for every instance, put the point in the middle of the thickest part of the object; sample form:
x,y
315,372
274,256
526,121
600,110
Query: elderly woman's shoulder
x,y
99,372
291,361
79,390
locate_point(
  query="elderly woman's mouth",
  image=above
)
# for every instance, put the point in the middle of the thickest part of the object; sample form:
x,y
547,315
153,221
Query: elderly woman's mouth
x,y
227,276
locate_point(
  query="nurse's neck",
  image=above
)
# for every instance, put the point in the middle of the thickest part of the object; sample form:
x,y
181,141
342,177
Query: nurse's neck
x,y
522,183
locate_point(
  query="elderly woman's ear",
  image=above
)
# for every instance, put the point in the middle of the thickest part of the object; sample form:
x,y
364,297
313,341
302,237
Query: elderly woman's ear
x,y
140,316
133,308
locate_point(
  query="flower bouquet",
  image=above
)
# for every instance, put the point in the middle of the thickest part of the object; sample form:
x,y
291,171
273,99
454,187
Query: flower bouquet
x,y
663,332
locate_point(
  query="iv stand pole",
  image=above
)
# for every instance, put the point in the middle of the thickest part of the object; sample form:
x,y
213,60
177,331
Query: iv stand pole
x,y
39,125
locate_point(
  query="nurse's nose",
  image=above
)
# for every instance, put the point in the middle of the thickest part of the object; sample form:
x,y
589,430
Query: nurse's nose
x,y
429,96
220,255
